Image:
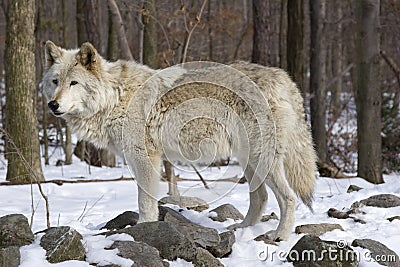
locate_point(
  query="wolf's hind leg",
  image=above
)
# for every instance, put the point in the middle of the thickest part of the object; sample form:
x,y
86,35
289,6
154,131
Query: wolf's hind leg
x,y
286,200
258,201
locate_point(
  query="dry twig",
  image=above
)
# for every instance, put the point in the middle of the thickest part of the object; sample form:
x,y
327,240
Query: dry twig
x,y
33,173
197,19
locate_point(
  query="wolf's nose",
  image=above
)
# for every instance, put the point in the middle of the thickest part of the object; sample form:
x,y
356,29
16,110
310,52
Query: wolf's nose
x,y
53,105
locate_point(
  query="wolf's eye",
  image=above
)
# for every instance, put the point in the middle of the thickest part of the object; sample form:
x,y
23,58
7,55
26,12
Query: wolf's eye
x,y
55,81
73,82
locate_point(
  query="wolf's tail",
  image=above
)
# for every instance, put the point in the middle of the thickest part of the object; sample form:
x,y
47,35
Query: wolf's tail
x,y
300,163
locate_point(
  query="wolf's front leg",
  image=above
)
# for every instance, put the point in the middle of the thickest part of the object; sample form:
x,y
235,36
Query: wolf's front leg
x,y
147,172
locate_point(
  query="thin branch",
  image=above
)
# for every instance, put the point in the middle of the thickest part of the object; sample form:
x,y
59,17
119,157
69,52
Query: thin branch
x,y
84,214
200,176
337,77
198,19
139,21
29,167
61,182
393,66
83,211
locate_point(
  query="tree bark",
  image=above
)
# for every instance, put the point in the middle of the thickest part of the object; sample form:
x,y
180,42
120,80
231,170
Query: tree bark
x,y
318,77
117,22
24,163
90,11
39,59
369,98
68,146
337,63
112,45
80,21
149,34
295,37
261,37
282,35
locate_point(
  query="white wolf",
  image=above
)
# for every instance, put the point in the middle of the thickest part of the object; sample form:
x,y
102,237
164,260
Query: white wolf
x,y
189,114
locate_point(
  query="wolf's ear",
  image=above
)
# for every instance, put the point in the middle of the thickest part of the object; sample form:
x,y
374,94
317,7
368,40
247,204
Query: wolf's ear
x,y
88,56
52,53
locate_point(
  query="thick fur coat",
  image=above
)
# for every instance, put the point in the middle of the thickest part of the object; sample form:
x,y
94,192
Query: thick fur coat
x,y
195,112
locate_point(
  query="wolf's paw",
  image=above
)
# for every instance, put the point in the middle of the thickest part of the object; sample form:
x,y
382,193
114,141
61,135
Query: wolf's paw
x,y
277,236
143,219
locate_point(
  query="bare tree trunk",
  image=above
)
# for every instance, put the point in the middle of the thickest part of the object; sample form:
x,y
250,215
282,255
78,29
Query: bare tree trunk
x,y
112,46
171,178
21,114
261,38
117,22
243,31
282,35
107,158
337,63
91,22
68,146
149,34
80,21
318,77
295,41
210,32
39,72
369,98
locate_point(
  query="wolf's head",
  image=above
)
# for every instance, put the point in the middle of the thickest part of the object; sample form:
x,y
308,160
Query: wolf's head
x,y
72,81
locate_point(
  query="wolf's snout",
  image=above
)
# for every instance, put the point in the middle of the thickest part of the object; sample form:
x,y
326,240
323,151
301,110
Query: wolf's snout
x,y
53,105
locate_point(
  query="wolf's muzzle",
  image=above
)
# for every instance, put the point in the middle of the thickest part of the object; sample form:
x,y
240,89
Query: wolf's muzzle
x,y
53,106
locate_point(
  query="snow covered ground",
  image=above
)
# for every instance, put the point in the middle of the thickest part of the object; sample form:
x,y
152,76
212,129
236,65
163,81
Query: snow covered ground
x,y
88,206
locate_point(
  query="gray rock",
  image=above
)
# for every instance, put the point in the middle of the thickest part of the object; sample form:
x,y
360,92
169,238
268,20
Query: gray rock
x,y
10,257
162,211
379,252
164,236
266,238
356,211
391,219
191,203
267,217
226,211
311,251
380,201
15,231
141,253
224,248
317,229
62,244
205,259
200,235
121,221
353,188
334,213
